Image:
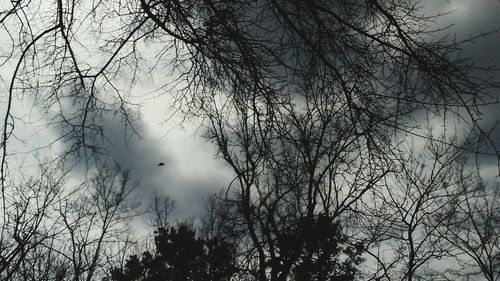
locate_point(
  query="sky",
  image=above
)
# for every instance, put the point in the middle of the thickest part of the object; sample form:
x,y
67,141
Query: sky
x,y
191,171
468,19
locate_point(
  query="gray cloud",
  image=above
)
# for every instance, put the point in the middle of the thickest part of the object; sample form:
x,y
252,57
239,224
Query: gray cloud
x,y
189,175
191,172
467,19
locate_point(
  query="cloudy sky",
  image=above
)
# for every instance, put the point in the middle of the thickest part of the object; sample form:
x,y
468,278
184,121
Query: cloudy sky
x,y
466,20
191,171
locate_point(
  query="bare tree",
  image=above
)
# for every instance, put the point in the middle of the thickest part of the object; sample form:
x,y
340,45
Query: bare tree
x,y
474,229
408,216
44,262
95,222
27,224
159,209
376,56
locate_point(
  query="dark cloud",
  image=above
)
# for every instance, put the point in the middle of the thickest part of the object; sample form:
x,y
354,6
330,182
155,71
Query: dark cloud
x,y
477,18
189,174
468,19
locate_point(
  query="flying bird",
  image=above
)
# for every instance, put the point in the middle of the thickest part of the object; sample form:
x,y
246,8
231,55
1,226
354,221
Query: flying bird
x,y
161,164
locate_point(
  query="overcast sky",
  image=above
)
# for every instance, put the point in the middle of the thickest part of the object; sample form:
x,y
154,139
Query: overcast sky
x,y
468,19
191,171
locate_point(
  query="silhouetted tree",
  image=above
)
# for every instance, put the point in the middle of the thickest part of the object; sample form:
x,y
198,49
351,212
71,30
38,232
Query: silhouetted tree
x,y
305,248
319,247
159,209
93,222
473,229
180,255
377,59
27,224
408,214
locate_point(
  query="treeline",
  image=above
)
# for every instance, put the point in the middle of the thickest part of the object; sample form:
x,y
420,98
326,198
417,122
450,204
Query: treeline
x,y
427,223
180,254
183,253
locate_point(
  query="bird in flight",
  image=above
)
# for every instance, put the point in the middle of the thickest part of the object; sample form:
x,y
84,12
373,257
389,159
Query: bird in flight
x,y
161,164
